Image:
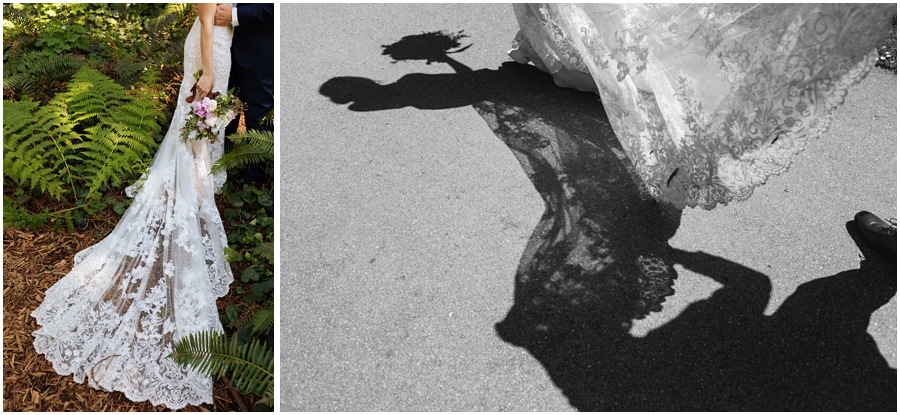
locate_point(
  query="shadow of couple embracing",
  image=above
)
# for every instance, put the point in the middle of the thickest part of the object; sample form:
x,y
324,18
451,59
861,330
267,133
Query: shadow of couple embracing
x,y
599,258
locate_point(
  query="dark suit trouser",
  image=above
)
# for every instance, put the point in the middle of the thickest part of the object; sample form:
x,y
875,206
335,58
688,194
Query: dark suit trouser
x,y
255,87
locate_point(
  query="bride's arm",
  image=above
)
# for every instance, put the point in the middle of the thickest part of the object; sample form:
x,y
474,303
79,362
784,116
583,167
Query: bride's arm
x,y
207,14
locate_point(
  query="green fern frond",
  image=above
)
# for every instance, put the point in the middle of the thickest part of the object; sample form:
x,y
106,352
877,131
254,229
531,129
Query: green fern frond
x,y
70,225
267,400
263,138
269,118
28,73
17,81
171,15
240,156
245,318
263,319
129,72
256,147
251,367
141,114
15,216
150,89
178,8
36,145
120,127
56,65
160,46
90,94
93,134
265,250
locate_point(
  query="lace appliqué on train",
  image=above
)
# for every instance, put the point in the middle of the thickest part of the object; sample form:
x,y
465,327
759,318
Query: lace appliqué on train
x,y
709,101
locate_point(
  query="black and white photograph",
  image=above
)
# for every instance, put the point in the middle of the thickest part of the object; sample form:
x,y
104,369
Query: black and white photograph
x,y
449,207
598,207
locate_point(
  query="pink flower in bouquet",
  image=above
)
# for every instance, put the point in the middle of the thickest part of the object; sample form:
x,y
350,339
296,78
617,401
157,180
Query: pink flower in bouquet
x,y
203,109
208,117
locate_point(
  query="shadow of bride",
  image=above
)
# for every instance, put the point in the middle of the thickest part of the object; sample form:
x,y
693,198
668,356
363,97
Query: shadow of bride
x,y
602,242
599,258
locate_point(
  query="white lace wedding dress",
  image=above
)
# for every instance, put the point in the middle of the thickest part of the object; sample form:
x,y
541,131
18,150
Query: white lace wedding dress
x,y
709,101
114,318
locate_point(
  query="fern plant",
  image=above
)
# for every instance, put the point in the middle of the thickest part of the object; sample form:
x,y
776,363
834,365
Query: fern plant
x,y
15,216
264,319
249,146
255,318
251,367
92,135
255,146
29,74
121,128
38,146
265,250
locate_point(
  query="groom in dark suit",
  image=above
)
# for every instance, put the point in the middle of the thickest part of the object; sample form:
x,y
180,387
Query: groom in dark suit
x,y
252,65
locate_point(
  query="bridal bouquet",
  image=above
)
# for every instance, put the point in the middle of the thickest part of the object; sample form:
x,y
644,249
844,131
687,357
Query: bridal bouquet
x,y
210,115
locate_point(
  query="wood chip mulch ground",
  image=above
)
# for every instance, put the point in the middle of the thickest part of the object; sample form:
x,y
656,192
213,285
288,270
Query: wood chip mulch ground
x,y
33,260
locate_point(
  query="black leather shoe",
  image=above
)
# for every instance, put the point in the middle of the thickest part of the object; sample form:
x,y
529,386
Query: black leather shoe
x,y
880,234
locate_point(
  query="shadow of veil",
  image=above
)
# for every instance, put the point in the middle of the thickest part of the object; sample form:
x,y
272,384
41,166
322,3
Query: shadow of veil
x,y
599,258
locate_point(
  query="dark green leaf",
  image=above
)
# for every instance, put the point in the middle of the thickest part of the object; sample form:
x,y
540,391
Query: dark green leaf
x,y
262,287
249,273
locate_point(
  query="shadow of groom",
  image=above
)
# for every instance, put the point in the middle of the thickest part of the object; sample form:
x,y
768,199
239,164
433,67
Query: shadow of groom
x,y
599,257
723,354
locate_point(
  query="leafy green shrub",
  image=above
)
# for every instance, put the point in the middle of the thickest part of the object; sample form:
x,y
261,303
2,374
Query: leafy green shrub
x,y
43,43
251,223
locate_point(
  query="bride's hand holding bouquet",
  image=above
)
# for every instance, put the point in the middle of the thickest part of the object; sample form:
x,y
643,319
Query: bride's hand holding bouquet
x,y
211,114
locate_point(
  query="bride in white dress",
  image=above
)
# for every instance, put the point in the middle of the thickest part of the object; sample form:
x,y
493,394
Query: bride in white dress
x,y
115,317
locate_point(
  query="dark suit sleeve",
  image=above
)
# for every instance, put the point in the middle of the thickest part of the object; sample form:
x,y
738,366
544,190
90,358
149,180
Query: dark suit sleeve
x,y
253,15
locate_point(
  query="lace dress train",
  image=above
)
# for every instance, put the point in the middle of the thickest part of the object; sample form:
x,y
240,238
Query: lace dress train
x,y
708,100
114,318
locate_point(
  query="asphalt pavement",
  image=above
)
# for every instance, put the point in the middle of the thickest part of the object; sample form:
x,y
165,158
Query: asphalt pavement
x,y
403,221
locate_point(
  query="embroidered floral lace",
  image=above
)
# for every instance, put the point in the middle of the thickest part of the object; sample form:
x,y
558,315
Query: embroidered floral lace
x,y
114,318
709,101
